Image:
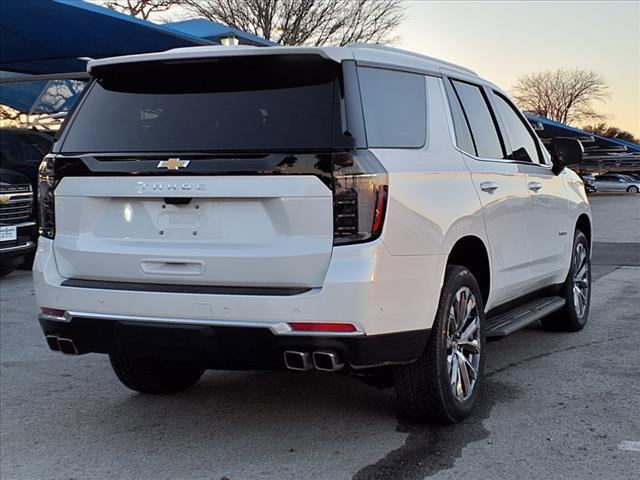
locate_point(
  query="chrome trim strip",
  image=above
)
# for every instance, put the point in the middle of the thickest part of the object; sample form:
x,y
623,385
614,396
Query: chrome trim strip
x,y
53,318
26,246
20,225
277,328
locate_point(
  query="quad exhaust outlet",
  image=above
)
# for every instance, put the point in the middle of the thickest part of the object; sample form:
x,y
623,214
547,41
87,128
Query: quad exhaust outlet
x,y
303,361
60,344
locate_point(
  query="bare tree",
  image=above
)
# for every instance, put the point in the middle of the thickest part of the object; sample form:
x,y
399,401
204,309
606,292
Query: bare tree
x,y
306,22
563,95
605,130
140,8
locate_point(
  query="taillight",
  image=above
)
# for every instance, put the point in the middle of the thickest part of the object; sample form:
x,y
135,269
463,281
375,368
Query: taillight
x,y
360,194
46,200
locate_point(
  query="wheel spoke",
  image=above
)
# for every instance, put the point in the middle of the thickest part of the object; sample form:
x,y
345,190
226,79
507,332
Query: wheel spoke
x,y
470,330
452,327
471,346
582,273
464,376
471,304
454,373
473,373
460,311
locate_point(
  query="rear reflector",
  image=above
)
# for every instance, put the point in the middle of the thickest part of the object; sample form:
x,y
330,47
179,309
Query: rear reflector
x,y
322,327
54,312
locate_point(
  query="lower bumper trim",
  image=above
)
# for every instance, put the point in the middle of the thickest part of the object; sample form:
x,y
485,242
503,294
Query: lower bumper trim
x,y
229,347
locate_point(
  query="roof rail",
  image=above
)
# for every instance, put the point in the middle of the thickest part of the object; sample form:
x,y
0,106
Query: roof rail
x,y
378,46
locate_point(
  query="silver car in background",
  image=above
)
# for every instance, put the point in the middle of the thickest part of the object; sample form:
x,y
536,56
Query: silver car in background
x,y
615,182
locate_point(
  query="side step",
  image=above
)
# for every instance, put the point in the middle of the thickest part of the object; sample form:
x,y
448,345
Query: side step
x,y
506,323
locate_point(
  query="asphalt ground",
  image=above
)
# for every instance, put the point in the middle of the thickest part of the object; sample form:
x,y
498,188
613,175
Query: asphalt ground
x,y
554,406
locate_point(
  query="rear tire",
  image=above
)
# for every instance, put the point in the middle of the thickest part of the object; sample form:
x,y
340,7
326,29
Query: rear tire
x,y
154,376
442,384
576,290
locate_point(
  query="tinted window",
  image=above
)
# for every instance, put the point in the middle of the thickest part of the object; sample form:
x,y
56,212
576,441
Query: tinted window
x,y
394,105
460,124
480,120
228,105
523,146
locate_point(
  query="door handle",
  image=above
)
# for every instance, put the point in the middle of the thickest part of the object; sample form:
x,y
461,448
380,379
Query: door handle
x,y
534,186
489,186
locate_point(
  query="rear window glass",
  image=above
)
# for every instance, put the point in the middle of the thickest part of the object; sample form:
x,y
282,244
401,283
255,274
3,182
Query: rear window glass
x,y
394,105
241,104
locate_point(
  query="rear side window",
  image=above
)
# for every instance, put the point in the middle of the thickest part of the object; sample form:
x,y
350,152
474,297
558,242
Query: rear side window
x,y
394,105
522,144
230,105
480,120
464,140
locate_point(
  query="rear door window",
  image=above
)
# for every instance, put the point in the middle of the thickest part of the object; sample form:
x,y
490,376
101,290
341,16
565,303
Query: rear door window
x,y
233,104
394,105
480,118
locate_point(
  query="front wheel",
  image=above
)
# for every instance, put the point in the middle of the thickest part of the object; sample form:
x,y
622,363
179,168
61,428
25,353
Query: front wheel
x,y
442,384
156,376
632,189
576,290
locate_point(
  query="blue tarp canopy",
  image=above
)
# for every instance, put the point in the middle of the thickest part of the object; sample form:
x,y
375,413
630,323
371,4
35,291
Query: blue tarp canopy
x,y
215,32
53,36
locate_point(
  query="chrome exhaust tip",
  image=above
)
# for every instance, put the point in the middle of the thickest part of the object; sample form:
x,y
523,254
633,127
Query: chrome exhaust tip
x,y
300,361
67,346
327,361
52,341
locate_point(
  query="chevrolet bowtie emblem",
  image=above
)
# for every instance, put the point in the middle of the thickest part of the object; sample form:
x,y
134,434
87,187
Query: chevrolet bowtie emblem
x,y
173,164
4,198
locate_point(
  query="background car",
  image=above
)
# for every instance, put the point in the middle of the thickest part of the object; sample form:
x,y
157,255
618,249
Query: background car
x,y
18,229
22,150
615,182
589,183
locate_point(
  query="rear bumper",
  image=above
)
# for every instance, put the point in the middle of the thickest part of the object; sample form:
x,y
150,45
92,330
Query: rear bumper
x,y
227,347
23,245
391,300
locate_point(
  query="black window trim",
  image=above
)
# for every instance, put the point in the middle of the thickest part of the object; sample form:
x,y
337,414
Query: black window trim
x,y
527,127
493,117
450,91
484,89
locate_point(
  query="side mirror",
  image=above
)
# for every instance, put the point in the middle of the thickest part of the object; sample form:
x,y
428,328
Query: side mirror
x,y
565,152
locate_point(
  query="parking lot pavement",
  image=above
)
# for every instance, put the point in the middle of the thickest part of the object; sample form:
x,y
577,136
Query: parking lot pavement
x,y
554,405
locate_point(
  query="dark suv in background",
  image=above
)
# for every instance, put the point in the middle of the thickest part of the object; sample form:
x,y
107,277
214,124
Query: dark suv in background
x,y
18,229
21,151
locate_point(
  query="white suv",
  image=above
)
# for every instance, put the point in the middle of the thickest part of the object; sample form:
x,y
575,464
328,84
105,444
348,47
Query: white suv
x,y
357,209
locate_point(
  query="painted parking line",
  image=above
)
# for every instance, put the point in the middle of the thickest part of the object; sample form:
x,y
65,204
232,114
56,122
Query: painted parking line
x,y
630,446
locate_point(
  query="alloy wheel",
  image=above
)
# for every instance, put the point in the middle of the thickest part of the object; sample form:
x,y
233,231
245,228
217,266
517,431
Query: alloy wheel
x,y
581,280
463,344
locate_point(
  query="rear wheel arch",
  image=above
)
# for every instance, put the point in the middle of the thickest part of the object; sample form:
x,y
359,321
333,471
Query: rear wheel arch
x,y
470,252
584,225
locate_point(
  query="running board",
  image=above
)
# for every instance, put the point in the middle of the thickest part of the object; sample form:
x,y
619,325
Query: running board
x,y
509,322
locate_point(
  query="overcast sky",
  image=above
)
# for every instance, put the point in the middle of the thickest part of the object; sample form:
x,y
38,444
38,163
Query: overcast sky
x,y
502,40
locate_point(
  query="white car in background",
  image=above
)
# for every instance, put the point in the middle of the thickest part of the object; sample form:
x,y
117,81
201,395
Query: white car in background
x,y
357,209
617,182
